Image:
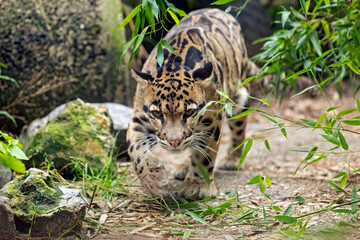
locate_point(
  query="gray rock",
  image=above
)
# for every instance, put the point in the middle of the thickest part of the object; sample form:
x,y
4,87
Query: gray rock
x,y
43,208
79,133
5,175
120,115
7,223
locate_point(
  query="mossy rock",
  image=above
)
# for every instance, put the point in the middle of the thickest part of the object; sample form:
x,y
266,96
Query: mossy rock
x,y
60,50
80,133
42,208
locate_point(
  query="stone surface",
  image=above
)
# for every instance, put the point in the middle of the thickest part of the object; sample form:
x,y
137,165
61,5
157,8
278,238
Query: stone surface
x,y
80,132
5,175
7,223
120,116
40,205
59,50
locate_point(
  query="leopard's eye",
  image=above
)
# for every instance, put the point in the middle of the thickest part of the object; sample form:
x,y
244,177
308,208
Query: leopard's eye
x,y
189,112
156,113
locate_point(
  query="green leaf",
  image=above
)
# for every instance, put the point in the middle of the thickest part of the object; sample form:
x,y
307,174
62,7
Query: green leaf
x,y
266,102
18,153
358,104
254,180
283,131
332,139
130,16
154,9
267,181
352,122
261,185
222,2
305,90
248,213
345,112
337,187
284,17
314,39
225,95
167,45
204,173
127,46
287,212
13,163
196,217
160,54
270,118
311,153
300,199
348,211
298,73
249,79
315,160
174,17
245,152
186,235
303,6
228,9
343,142
317,60
318,123
276,208
243,114
310,123
228,108
267,145
354,206
343,180
5,113
338,64
285,219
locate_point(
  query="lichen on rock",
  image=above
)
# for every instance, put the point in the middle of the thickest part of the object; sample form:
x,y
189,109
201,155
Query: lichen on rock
x,y
80,133
42,207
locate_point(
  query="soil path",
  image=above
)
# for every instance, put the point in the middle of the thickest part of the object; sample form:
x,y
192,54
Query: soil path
x,y
141,219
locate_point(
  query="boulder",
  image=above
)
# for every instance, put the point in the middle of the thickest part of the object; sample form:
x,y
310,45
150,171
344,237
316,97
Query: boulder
x,y
59,50
42,208
7,223
79,133
5,175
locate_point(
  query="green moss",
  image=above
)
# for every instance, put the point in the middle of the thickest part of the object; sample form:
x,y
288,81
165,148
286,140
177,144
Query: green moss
x,y
80,131
33,193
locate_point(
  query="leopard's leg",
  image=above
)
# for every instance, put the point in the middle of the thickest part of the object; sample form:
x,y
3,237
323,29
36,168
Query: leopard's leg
x,y
237,127
141,142
204,150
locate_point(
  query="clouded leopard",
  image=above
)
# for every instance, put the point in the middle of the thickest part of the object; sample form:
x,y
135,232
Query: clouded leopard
x,y
210,55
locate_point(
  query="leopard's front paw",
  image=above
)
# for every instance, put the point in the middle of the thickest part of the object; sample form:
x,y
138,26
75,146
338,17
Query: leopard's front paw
x,y
193,190
228,163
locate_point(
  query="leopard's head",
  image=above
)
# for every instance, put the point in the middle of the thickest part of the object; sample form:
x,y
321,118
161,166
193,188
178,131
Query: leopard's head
x,y
172,100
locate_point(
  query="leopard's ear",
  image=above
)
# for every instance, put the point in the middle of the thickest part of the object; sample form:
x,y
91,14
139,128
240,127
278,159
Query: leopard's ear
x,y
141,77
204,75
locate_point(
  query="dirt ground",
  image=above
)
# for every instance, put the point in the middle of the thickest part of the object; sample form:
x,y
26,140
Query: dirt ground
x,y
137,218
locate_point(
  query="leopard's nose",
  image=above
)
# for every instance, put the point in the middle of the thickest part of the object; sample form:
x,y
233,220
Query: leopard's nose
x,y
174,143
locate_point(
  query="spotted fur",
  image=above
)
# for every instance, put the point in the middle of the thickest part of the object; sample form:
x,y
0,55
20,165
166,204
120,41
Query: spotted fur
x,y
210,55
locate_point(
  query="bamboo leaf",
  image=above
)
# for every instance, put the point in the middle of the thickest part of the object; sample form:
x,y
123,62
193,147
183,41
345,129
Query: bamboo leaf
x,y
174,17
130,16
222,2
352,122
245,152
267,145
196,217
243,114
337,187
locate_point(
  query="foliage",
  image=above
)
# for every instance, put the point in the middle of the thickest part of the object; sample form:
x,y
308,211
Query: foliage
x,y
11,153
10,79
321,41
153,12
